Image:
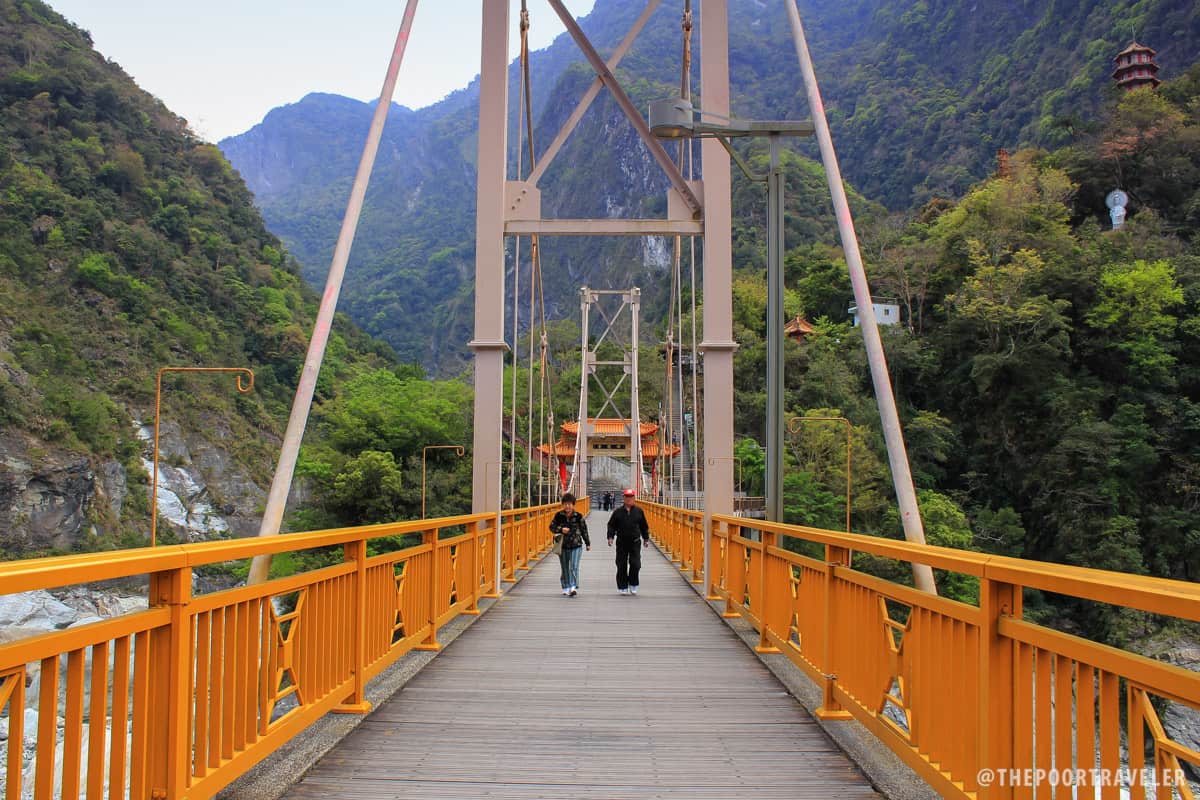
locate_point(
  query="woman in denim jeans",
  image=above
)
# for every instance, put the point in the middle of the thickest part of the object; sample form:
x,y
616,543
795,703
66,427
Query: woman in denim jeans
x,y
570,525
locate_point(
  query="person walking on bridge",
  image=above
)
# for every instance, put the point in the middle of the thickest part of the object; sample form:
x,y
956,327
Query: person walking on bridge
x,y
629,527
570,530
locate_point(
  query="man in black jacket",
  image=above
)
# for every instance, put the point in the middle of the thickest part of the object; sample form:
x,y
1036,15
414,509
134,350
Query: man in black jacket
x,y
628,525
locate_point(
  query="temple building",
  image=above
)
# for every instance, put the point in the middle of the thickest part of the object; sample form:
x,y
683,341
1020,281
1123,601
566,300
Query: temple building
x,y
1135,67
610,437
798,328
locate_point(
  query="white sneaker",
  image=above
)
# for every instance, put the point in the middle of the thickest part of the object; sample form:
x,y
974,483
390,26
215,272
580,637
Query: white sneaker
x,y
633,590
624,591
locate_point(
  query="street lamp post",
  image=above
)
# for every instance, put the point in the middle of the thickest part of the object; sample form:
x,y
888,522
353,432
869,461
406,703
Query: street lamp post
x,y
677,119
794,427
458,449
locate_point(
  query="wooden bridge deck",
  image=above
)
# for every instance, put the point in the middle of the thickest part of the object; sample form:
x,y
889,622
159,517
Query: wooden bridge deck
x,y
597,696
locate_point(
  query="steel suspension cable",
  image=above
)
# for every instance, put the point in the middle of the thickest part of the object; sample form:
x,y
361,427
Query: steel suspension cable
x,y
685,91
535,263
671,395
516,353
536,289
546,422
697,425
542,422
512,407
529,401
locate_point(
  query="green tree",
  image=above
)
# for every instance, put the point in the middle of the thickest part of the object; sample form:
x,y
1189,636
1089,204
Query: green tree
x,y
1132,313
807,502
380,411
369,489
946,525
752,460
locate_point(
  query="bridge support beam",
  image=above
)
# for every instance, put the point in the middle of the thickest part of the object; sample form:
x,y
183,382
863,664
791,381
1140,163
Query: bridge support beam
x,y
289,452
718,346
906,494
488,344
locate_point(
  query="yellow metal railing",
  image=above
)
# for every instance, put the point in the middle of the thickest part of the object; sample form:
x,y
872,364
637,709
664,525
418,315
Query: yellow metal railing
x,y
978,701
179,700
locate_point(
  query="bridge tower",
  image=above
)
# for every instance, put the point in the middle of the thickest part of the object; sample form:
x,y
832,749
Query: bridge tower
x,y
510,208
592,364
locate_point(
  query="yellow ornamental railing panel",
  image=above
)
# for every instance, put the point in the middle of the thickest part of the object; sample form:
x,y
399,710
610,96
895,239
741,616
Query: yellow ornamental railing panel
x,y
978,701
179,700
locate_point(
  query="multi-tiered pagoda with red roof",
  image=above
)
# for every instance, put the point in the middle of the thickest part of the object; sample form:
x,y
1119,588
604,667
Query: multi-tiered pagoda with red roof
x,y
1136,67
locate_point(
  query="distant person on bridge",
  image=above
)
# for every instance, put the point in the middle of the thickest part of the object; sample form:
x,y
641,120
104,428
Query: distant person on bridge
x,y
570,527
628,525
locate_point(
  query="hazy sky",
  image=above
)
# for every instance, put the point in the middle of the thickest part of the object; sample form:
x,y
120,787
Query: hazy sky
x,y
223,64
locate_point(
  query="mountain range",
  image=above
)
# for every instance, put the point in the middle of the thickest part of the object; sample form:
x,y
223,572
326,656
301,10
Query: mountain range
x,y
920,94
128,245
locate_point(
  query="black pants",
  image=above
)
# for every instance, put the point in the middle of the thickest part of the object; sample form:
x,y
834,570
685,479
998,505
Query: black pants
x,y
629,562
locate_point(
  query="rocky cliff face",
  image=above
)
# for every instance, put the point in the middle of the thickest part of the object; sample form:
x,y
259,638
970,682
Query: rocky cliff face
x,y
59,501
202,492
46,499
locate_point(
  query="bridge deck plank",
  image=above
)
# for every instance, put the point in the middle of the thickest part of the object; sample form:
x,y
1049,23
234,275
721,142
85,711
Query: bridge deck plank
x,y
597,696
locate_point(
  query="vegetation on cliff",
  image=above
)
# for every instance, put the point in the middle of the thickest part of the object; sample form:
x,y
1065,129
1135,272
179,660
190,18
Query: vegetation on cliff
x,y
126,245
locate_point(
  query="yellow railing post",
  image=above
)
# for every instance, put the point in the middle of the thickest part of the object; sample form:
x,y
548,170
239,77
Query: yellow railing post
x,y
715,570
763,611
491,579
830,708
473,606
168,743
504,538
675,546
732,532
357,703
997,684
521,542
431,538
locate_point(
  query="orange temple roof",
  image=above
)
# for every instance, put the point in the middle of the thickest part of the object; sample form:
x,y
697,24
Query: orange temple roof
x,y
609,427
565,446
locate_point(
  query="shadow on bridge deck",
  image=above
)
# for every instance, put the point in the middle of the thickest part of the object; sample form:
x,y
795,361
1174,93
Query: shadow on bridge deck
x,y
597,696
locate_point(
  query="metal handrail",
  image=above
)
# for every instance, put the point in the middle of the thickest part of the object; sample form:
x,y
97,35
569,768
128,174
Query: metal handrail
x,y
210,684
960,691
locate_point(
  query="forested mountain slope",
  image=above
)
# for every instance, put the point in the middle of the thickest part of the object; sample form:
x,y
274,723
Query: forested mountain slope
x,y
127,245
920,95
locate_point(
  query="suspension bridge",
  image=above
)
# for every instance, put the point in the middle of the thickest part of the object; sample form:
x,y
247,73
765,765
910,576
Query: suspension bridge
x,y
601,695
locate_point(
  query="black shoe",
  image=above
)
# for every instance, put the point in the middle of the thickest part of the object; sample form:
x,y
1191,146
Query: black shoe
x,y
574,592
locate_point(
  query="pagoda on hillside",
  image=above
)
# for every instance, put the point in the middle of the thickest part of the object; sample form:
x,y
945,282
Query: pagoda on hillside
x,y
798,328
1136,67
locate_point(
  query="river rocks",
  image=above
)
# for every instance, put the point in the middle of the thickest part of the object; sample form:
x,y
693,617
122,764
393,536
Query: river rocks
x,y
1182,723
30,613
111,605
36,610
